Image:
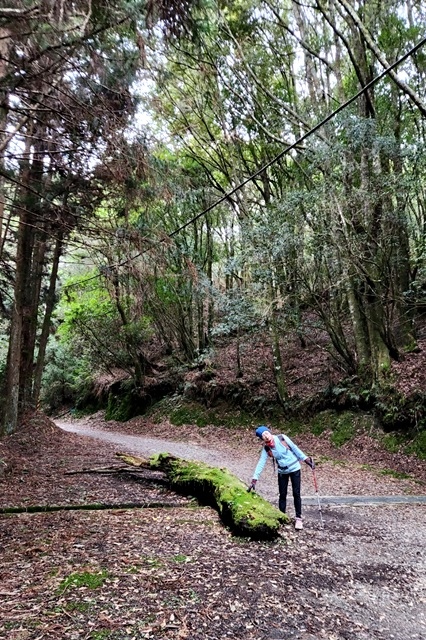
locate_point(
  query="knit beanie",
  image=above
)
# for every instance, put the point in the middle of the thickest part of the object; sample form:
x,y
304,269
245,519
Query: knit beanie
x,y
261,430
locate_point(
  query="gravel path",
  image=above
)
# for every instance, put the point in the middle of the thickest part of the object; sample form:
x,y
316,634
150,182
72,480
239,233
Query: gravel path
x,y
242,465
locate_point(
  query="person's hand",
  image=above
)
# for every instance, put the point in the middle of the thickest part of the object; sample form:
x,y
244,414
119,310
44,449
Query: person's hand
x,y
310,461
252,486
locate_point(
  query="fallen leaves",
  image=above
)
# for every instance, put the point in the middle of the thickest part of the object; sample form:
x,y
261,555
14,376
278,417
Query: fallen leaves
x,y
178,574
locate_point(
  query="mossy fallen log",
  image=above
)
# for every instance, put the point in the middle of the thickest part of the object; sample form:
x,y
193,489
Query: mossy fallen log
x,y
245,514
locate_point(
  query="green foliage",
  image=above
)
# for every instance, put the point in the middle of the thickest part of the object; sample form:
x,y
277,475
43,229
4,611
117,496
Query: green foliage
x,y
181,412
91,580
342,426
122,406
190,415
417,446
180,557
291,426
81,607
343,430
107,333
393,441
67,376
102,634
237,312
153,561
319,424
397,412
88,316
395,474
165,290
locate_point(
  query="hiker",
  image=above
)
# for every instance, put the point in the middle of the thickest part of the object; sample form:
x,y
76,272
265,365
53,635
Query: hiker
x,y
287,456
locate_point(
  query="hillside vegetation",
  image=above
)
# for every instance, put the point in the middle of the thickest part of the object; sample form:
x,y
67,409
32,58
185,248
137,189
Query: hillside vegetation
x,y
211,393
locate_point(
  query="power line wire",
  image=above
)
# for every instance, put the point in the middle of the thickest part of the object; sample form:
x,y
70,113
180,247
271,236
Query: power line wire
x,y
301,139
275,159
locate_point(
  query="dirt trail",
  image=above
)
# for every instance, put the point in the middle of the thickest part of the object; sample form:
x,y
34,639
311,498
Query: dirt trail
x,y
241,464
146,446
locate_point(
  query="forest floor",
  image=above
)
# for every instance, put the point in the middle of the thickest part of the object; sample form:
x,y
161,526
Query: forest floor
x,y
170,570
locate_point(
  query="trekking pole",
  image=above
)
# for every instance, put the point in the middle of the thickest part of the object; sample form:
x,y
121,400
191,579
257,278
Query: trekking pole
x,y
314,476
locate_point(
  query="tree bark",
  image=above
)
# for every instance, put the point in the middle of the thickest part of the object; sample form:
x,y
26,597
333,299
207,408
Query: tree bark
x,y
44,336
12,406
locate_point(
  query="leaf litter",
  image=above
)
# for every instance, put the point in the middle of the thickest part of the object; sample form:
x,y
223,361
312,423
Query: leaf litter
x,y
175,572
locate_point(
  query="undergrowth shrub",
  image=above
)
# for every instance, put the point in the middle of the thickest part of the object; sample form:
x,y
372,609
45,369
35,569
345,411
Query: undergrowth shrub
x,y
67,377
417,445
125,404
396,412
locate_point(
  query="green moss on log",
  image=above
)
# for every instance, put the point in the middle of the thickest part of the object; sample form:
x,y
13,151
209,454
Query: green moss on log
x,y
246,514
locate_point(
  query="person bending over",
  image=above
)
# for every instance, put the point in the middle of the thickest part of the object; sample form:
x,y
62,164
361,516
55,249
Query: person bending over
x,y
287,457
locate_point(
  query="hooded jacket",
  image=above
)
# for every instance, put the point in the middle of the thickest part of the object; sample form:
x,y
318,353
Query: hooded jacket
x,y
287,457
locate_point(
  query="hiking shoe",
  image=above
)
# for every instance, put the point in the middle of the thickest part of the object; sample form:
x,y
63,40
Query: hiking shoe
x,y
298,524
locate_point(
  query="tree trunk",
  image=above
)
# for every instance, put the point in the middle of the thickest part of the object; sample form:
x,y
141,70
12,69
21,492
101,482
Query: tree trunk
x,y
50,303
13,396
5,42
29,332
35,256
360,328
246,514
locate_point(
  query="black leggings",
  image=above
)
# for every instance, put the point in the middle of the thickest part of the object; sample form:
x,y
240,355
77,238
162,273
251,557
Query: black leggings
x,y
295,478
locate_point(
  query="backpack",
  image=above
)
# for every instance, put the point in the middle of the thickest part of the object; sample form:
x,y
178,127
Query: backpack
x,y
285,443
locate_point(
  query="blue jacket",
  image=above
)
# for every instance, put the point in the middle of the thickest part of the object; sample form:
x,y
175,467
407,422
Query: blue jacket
x,y
287,458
